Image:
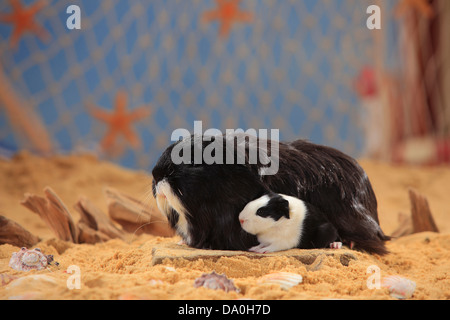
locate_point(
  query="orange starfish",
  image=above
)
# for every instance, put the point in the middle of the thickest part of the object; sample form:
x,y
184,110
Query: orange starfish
x,y
120,121
23,21
227,12
422,6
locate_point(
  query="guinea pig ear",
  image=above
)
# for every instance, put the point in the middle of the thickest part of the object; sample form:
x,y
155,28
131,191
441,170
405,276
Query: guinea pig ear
x,y
281,205
284,207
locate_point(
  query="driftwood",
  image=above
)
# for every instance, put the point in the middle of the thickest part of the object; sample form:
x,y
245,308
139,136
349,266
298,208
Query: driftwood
x,y
94,219
134,216
420,220
13,233
54,213
89,235
94,226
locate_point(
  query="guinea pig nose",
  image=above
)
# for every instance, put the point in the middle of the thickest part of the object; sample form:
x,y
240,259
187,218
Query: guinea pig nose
x,y
241,221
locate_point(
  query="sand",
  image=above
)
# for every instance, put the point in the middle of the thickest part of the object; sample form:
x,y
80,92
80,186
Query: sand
x,y
119,269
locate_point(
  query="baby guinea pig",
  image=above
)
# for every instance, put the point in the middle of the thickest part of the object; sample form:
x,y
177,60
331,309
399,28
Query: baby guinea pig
x,y
282,222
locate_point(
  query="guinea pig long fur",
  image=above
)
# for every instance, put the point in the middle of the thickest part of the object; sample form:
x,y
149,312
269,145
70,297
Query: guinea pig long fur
x,y
282,222
203,201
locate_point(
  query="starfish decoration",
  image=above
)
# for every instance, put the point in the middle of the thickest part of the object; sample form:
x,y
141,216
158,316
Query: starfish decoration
x,y
227,12
422,6
23,21
120,121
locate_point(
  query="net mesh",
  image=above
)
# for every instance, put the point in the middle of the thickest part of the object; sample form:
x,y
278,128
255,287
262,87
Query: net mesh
x,y
289,65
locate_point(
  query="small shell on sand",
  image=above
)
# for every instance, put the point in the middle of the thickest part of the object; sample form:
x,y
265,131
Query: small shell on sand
x,y
35,281
215,281
399,287
285,280
31,287
26,260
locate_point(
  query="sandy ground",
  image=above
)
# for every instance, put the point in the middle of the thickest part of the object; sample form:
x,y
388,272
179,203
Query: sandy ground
x,y
122,269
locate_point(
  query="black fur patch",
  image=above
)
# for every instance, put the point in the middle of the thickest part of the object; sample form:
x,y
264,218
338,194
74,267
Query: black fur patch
x,y
276,208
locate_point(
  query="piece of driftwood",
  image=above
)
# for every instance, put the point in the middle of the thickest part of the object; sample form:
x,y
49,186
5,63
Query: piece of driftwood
x,y
14,234
309,257
89,235
54,213
95,226
134,216
93,218
420,220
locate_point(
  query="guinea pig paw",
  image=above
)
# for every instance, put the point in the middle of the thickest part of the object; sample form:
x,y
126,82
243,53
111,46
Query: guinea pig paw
x,y
258,249
336,245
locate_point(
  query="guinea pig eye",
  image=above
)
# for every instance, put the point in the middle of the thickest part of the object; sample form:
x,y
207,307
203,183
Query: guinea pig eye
x,y
262,212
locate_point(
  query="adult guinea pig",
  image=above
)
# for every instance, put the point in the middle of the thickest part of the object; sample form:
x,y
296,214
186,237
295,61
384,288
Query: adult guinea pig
x,y
282,222
203,200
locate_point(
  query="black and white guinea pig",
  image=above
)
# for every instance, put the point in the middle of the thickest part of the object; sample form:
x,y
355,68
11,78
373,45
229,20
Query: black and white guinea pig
x,y
282,222
203,201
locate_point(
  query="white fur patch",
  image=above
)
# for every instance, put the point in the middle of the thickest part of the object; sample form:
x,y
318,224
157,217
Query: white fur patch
x,y
166,200
251,222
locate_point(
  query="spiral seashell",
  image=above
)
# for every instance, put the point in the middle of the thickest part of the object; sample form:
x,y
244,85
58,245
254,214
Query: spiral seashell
x,y
399,287
285,280
26,260
215,281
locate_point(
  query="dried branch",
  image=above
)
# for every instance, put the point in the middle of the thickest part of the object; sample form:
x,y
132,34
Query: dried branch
x,y
420,218
134,216
54,213
93,218
13,233
95,226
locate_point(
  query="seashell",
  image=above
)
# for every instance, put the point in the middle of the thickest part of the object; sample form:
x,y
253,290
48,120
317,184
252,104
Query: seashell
x,y
399,287
26,260
32,287
35,281
6,278
285,280
215,281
